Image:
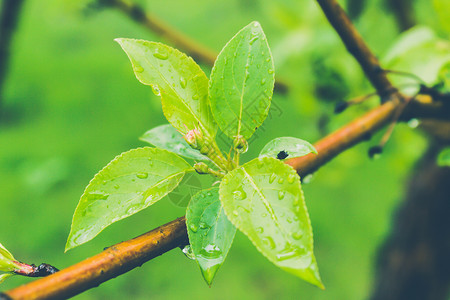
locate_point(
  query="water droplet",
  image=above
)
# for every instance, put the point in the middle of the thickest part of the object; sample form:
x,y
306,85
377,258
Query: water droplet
x,y
289,220
263,215
281,195
209,194
281,180
155,89
269,242
272,178
291,178
161,55
287,254
117,187
259,163
253,39
195,97
263,81
142,175
297,235
308,178
413,123
203,225
239,195
183,82
235,212
97,196
259,229
268,59
187,250
270,71
193,228
138,69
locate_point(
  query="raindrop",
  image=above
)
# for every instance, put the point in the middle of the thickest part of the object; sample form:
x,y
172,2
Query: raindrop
x,y
161,55
155,89
269,242
291,178
253,39
138,69
142,175
183,82
289,220
235,212
209,194
259,229
239,195
187,250
270,71
268,59
281,195
193,227
272,177
116,186
195,97
281,180
297,235
263,215
263,81
308,178
203,225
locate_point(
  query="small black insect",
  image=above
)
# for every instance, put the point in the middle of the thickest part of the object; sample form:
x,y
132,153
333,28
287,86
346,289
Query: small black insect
x,y
282,154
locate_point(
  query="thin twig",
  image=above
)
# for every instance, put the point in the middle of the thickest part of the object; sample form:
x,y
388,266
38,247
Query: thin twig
x,y
199,52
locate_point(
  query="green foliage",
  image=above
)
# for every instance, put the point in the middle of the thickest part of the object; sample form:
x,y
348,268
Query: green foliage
x,y
242,81
444,158
167,137
131,182
442,8
264,199
293,147
6,260
210,232
180,82
273,215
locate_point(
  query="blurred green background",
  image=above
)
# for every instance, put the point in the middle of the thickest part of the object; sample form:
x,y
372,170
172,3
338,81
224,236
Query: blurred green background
x,y
72,103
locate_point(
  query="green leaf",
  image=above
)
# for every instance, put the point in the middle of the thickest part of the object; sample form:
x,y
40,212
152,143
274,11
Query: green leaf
x,y
264,199
210,232
4,276
412,49
294,147
6,260
180,82
131,182
167,137
444,158
241,84
442,8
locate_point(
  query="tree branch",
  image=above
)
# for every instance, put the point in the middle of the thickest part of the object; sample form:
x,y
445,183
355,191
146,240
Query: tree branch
x,y
199,52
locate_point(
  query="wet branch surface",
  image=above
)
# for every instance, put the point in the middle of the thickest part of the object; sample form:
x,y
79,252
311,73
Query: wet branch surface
x,y
127,255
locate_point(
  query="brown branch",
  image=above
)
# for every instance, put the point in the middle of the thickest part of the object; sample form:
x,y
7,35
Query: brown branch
x,y
110,263
128,255
199,52
357,47
8,22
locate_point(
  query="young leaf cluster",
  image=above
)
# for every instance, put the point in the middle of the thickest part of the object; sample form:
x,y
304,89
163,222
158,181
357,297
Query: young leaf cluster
x,y
262,198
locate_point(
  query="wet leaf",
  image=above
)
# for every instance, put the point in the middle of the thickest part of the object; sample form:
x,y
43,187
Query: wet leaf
x,y
6,260
293,147
131,182
264,199
241,84
4,276
167,137
210,232
180,82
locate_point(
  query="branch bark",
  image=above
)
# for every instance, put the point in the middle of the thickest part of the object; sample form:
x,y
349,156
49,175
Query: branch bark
x,y
198,52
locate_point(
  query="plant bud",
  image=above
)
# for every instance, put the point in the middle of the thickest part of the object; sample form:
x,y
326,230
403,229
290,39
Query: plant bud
x,y
240,144
7,261
201,168
194,138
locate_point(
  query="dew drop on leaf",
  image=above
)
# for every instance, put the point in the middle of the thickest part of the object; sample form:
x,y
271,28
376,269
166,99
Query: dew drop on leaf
x,y
272,178
281,195
253,40
263,81
183,82
270,71
281,180
142,175
193,228
297,235
187,250
138,69
260,229
161,55
203,225
195,97
291,178
239,195
269,242
155,89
